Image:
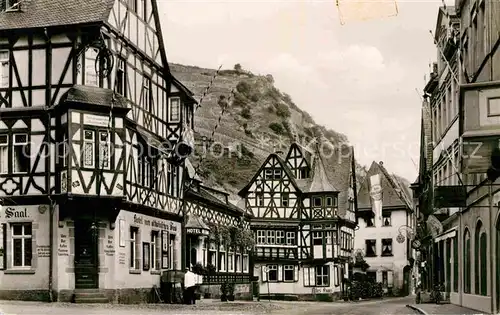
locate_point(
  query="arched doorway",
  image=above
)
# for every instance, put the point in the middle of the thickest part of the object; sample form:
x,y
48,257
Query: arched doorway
x,y
406,280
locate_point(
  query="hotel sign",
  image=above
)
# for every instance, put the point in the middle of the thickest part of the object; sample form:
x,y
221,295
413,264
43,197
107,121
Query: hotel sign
x,y
197,231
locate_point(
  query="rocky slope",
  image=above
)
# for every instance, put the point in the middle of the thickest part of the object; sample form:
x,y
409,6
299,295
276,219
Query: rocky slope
x,y
258,120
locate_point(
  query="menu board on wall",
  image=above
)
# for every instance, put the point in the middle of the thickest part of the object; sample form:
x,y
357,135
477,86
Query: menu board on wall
x,y
121,231
164,249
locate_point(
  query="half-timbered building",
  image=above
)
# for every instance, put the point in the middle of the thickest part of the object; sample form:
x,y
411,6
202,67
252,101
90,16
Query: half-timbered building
x,y
218,238
90,117
303,222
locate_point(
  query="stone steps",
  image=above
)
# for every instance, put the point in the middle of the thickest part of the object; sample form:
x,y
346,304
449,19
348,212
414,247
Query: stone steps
x,y
90,296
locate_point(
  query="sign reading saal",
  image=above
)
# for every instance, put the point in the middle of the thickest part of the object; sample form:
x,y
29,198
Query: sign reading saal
x,y
16,212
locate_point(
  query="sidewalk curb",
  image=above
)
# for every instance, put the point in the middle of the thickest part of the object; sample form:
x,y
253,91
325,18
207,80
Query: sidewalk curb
x,y
417,309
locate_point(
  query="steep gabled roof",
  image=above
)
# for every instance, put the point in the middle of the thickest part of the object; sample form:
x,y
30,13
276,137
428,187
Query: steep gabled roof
x,y
242,193
394,194
318,181
47,13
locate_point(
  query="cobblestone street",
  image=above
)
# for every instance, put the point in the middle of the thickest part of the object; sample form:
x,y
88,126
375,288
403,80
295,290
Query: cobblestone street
x,y
387,306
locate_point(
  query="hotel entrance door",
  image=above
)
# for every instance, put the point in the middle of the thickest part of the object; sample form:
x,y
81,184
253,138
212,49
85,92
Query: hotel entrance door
x,y
86,275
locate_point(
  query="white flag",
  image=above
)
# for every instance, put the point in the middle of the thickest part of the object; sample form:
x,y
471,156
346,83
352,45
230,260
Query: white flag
x,y
362,10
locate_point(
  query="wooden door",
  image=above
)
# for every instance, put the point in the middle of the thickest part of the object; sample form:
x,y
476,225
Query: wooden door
x,y
86,276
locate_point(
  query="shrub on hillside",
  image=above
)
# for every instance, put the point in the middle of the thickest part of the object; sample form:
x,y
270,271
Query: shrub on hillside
x,y
245,113
238,67
239,100
244,88
277,128
270,109
282,110
287,126
274,93
255,97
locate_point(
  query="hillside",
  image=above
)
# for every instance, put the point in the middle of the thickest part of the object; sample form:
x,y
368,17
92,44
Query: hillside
x,y
257,116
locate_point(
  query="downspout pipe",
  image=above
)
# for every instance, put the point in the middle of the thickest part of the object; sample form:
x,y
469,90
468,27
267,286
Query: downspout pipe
x,y
51,250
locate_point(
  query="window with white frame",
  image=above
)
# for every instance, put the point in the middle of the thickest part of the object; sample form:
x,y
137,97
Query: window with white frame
x,y
268,174
4,69
245,262
222,259
277,174
88,148
104,146
171,252
289,273
22,246
20,158
63,151
230,262
146,95
261,237
271,237
174,108
4,154
386,219
322,276
290,238
272,273
155,250
280,237
259,198
317,237
134,257
121,77
91,76
285,199
212,254
238,263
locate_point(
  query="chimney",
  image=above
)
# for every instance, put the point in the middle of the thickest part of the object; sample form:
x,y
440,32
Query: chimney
x,y
279,152
381,163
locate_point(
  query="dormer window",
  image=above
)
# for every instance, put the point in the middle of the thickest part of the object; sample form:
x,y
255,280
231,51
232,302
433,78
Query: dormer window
x,y
12,5
285,199
329,201
317,201
303,173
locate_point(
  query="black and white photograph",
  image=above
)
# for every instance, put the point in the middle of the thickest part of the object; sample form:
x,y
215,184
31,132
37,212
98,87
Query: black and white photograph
x,y
292,157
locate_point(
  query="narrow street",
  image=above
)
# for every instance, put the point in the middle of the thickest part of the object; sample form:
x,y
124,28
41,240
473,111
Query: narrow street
x,y
386,306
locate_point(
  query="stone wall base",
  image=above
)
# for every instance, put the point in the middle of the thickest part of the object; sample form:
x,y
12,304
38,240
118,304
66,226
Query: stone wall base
x,y
25,295
118,296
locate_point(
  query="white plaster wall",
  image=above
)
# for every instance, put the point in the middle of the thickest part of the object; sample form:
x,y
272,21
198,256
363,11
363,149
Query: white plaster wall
x,y
36,277
399,260
298,286
145,279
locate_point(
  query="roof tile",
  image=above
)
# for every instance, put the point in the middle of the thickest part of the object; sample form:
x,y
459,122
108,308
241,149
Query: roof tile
x,y
46,13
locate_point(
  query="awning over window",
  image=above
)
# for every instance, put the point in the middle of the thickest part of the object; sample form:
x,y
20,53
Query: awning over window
x,y
446,235
164,146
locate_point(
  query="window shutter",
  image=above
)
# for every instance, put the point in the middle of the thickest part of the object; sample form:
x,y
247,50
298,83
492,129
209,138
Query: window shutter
x,y
280,272
264,273
3,244
312,276
336,276
306,277
390,278
296,273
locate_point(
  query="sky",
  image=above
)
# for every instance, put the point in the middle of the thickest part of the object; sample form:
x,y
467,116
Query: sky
x,y
363,78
